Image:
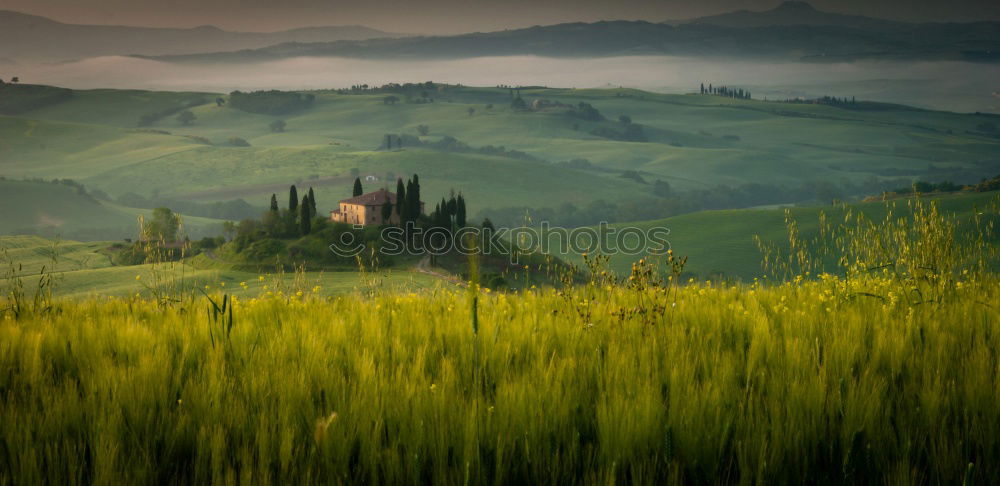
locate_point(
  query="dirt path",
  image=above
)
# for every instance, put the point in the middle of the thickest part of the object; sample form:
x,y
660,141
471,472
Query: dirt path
x,y
424,266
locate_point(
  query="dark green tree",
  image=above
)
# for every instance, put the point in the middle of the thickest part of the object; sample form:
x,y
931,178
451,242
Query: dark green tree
x,y
293,198
305,220
415,197
386,211
163,225
186,117
460,211
411,211
400,200
452,208
312,202
358,190
274,202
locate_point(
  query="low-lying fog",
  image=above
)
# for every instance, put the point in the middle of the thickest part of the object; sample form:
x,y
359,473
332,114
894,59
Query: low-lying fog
x,y
947,85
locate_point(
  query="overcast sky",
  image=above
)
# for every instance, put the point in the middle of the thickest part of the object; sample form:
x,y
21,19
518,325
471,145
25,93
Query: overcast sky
x,y
454,16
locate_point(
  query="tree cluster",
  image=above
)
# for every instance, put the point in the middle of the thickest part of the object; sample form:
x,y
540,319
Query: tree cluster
x,y
449,214
412,92
271,102
151,118
663,202
737,93
235,209
586,111
291,222
16,99
407,207
448,143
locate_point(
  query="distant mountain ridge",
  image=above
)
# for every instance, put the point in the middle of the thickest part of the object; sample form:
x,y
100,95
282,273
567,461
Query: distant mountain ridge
x,y
791,13
24,36
936,41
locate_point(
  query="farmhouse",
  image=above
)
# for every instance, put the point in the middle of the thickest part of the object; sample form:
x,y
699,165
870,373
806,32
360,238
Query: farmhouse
x,y
366,209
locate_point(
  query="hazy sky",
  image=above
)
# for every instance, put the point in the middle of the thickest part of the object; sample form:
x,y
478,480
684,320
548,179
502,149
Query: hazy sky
x,y
454,16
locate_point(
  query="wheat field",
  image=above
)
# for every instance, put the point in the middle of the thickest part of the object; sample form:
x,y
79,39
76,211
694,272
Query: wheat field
x,y
879,374
792,383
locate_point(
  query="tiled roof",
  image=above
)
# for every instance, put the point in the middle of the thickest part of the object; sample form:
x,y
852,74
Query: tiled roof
x,y
376,198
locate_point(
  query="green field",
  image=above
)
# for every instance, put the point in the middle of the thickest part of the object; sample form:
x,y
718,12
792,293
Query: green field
x,y
59,211
593,384
692,144
720,244
230,366
85,269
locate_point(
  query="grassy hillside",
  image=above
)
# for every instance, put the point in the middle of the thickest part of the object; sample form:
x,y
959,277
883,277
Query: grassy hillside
x,y
694,142
84,269
720,243
60,210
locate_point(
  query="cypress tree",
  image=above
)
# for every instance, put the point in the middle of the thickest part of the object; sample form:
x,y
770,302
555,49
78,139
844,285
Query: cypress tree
x,y
312,202
293,198
386,211
358,190
453,206
416,196
274,202
305,222
412,210
400,200
460,212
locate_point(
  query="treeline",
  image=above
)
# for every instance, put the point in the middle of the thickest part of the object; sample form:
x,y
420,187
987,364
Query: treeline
x,y
737,93
663,202
585,111
150,118
79,188
924,187
16,99
293,221
388,88
411,92
234,209
262,240
271,102
451,144
450,213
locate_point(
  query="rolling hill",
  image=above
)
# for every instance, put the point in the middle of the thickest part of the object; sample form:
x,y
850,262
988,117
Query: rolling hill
x,y
693,142
85,269
56,209
721,243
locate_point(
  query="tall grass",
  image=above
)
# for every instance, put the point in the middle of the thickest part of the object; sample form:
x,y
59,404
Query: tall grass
x,y
637,380
735,384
